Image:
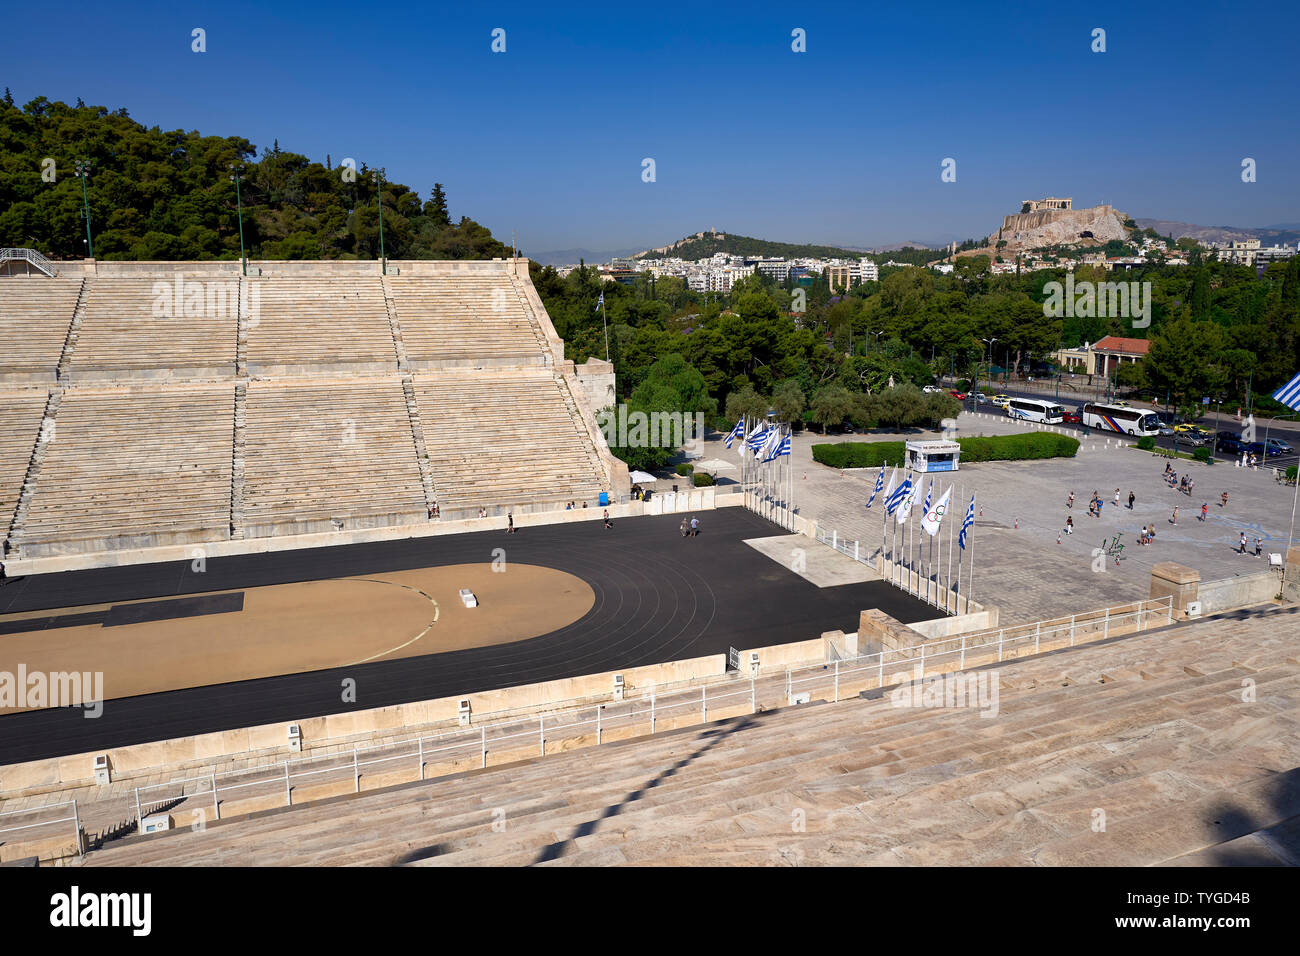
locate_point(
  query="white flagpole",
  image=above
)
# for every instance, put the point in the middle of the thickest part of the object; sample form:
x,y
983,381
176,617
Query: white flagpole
x,y
947,578
957,594
971,576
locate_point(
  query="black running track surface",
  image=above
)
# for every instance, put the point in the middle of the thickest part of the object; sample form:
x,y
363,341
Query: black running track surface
x,y
659,597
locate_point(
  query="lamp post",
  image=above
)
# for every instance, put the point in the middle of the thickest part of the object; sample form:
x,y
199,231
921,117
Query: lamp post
x,y
83,173
235,172
987,362
378,175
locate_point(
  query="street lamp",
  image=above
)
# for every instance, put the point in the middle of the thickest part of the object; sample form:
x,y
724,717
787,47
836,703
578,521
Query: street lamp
x,y
83,173
235,171
378,175
989,342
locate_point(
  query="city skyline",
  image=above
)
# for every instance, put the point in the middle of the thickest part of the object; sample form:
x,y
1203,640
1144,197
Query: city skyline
x,y
840,145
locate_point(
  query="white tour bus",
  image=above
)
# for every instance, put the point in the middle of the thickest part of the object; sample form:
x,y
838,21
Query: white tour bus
x,y
1117,418
1049,413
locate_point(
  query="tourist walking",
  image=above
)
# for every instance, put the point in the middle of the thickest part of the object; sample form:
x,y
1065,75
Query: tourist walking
x,y
1069,524
1223,502
1173,519
1205,510
1131,498
1116,497
1258,547
684,530
1070,503
607,524
695,527
510,523
1241,548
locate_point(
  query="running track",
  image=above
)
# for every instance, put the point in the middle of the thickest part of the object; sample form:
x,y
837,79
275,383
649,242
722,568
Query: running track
x,y
659,597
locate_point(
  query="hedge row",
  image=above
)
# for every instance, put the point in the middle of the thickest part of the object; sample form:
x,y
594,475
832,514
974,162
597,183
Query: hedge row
x,y
1022,447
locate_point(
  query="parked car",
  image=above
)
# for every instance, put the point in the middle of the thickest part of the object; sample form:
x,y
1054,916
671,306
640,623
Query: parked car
x,y
1258,449
980,398
1229,442
960,396
932,390
1072,418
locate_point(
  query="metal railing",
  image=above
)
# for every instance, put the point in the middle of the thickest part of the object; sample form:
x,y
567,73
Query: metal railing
x,y
73,818
515,737
31,256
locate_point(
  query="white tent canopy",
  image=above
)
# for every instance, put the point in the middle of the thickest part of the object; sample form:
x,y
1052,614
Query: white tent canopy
x,y
642,477
714,464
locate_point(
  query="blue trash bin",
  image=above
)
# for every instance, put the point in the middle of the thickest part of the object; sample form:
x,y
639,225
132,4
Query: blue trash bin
x,y
604,498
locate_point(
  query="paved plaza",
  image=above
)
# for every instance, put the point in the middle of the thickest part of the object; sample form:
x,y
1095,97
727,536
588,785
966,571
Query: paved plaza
x,y
1023,570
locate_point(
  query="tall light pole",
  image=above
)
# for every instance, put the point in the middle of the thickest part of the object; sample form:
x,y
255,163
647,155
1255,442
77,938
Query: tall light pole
x,y
975,401
235,171
378,175
83,173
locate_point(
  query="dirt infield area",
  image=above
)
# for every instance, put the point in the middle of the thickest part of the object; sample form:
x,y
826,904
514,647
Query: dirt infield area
x,y
292,628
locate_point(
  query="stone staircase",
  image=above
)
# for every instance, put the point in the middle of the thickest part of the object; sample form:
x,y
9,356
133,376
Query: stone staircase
x,y
237,463
417,435
46,435
74,330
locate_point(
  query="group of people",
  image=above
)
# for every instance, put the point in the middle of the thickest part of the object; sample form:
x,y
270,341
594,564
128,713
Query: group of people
x,y
572,506
1146,534
690,529
1241,548
1185,484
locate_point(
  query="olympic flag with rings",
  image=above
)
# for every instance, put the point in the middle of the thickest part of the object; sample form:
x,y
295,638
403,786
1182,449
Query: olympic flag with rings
x,y
935,515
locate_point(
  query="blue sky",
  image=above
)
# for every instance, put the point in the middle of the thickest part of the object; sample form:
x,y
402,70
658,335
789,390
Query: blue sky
x,y
841,144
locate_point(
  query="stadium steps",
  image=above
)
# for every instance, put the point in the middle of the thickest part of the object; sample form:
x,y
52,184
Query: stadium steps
x,y
417,436
36,314
74,330
1162,749
238,452
241,337
395,328
46,431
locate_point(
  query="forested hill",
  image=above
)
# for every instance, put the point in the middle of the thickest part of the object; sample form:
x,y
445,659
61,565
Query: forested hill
x,y
703,246
168,194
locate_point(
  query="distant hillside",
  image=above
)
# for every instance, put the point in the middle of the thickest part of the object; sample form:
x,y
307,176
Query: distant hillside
x,y
1284,234
702,245
571,257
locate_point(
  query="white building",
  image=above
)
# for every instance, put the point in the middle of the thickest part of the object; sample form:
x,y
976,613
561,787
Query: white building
x,y
868,270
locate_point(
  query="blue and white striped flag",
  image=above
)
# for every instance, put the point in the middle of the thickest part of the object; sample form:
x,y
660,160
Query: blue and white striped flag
x,y
778,448
899,496
928,493
764,454
966,523
758,437
600,301
880,483
1289,394
737,432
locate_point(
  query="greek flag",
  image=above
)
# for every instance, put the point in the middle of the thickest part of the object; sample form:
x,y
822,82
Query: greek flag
x,y
780,447
600,301
1289,394
928,492
737,432
880,483
758,437
765,454
905,509
899,496
966,523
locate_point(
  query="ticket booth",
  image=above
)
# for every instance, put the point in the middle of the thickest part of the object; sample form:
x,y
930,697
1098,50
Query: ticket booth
x,y
931,456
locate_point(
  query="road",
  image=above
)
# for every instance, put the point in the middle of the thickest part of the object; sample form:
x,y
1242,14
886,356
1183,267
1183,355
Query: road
x,y
1264,428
